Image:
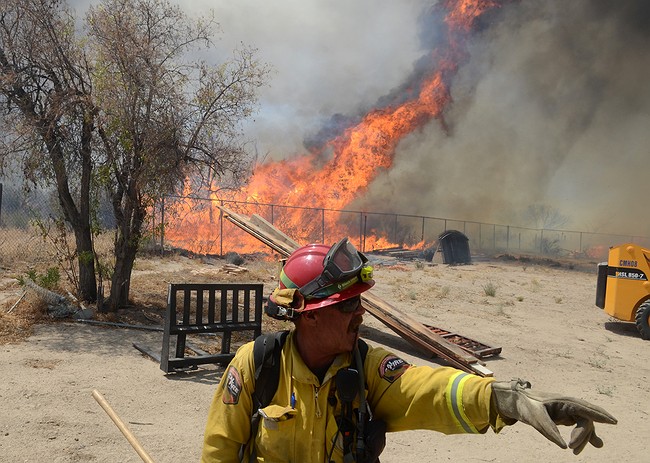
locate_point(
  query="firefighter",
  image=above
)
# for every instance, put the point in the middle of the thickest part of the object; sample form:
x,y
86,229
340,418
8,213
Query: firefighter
x,y
336,396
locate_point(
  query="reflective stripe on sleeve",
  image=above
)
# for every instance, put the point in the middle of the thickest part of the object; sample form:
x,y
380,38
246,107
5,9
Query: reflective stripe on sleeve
x,y
454,394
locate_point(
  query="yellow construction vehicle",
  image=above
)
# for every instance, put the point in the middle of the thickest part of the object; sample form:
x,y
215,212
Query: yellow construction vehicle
x,y
623,289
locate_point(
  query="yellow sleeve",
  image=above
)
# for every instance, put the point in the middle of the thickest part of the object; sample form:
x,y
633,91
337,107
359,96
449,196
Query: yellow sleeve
x,y
441,399
228,423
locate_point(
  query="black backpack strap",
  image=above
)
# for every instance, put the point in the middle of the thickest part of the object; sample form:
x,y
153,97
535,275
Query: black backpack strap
x,y
267,350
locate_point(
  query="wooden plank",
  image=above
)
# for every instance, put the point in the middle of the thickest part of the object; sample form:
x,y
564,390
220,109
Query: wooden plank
x,y
404,325
481,370
476,348
410,326
260,235
415,332
245,224
265,225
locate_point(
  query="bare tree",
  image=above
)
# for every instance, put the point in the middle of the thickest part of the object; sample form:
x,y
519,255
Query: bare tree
x,y
161,117
545,217
47,113
125,108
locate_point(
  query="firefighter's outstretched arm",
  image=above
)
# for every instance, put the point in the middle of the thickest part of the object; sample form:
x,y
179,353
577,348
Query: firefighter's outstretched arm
x,y
543,411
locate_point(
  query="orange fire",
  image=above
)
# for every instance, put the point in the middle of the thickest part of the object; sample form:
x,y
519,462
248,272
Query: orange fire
x,y
462,14
341,170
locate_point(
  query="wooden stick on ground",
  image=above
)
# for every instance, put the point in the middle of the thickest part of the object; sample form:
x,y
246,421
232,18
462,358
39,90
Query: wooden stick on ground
x,y
122,427
17,302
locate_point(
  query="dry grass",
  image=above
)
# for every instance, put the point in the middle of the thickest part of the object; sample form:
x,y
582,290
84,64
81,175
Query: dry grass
x,y
17,325
21,250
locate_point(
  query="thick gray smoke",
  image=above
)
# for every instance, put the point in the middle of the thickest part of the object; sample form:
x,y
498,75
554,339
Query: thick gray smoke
x,y
552,107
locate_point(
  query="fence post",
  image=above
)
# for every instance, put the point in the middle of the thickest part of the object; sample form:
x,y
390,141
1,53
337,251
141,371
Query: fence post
x,y
221,229
365,231
162,226
361,232
508,238
395,230
580,242
322,221
423,229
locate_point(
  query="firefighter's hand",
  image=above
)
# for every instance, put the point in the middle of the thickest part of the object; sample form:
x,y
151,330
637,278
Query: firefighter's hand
x,y
544,411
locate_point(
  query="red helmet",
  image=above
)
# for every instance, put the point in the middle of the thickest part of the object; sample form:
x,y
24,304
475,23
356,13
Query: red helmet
x,y
327,275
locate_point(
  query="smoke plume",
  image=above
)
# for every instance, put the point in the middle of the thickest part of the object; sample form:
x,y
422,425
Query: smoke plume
x,y
551,105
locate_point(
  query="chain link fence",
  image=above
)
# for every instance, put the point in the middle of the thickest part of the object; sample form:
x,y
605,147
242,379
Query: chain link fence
x,y
20,238
198,225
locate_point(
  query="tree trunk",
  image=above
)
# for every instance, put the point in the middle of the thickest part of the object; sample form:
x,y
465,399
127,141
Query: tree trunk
x,y
121,281
77,217
127,242
83,231
85,258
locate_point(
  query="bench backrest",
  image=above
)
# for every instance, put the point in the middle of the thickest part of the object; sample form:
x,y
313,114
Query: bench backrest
x,y
208,308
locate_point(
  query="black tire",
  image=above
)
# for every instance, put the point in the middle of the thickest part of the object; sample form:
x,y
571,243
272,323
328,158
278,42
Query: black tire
x,y
642,319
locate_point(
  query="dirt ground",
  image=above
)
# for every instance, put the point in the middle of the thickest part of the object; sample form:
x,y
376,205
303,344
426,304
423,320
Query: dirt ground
x,y
543,316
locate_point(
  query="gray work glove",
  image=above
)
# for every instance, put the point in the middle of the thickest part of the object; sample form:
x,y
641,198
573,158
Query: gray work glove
x,y
543,411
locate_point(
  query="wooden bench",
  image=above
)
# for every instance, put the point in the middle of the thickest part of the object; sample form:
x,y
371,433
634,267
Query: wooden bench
x,y
214,308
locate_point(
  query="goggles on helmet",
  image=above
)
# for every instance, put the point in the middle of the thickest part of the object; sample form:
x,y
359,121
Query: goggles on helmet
x,y
343,266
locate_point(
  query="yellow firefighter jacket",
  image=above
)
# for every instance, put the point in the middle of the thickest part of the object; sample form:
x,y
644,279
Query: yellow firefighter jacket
x,y
303,429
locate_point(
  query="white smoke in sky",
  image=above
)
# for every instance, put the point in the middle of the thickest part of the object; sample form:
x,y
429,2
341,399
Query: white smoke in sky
x,y
328,57
552,107
331,57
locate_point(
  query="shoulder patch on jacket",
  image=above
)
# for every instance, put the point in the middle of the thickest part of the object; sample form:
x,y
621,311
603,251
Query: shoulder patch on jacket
x,y
392,367
233,387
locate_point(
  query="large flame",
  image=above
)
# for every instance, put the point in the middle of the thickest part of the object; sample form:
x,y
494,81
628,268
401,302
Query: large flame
x,y
339,171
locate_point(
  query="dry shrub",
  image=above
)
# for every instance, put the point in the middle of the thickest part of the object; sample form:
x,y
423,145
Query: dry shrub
x,y
17,325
